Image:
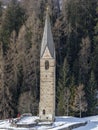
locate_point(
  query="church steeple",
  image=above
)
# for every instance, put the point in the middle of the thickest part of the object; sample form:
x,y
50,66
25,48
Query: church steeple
x,y
47,40
47,75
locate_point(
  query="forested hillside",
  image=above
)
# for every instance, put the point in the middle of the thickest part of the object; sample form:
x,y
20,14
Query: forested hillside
x,y
75,32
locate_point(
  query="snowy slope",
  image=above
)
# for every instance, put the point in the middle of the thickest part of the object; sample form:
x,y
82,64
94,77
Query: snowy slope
x,y
92,124
61,122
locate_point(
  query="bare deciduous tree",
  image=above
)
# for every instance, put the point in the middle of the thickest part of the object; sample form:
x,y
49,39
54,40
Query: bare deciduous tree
x,y
80,103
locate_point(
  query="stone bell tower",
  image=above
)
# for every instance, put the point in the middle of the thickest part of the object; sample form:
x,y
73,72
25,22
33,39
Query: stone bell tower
x,y
47,75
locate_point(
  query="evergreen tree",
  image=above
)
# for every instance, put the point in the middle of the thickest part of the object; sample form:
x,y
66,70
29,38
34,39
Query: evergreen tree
x,y
84,60
63,83
1,80
0,10
28,62
79,17
91,94
95,58
14,18
10,80
66,101
75,31
72,95
64,76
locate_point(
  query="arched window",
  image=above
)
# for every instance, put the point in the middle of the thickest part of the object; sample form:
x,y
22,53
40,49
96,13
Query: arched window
x,y
46,64
44,112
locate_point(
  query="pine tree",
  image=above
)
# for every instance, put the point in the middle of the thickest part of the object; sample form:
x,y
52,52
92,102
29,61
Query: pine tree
x,y
91,94
66,101
73,26
10,80
72,95
84,60
0,10
13,19
79,18
28,62
64,77
95,58
1,80
63,83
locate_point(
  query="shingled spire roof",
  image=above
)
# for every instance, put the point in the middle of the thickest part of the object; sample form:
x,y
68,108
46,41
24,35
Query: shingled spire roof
x,y
47,40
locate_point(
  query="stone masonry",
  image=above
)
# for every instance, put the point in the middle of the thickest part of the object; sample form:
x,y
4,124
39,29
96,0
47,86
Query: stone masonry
x,y
47,76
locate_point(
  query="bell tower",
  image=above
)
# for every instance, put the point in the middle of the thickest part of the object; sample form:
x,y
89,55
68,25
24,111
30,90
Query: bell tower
x,y
47,75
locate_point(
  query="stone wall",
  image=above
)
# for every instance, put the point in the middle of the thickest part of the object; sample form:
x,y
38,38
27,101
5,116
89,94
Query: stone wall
x,y
47,90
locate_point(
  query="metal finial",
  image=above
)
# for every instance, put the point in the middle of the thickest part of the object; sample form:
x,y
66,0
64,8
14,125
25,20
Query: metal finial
x,y
47,8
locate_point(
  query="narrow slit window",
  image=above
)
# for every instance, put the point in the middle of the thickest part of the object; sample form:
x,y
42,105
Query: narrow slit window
x,y
43,112
46,64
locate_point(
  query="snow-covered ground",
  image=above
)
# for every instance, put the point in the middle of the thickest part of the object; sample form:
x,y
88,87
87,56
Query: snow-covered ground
x,y
60,122
91,125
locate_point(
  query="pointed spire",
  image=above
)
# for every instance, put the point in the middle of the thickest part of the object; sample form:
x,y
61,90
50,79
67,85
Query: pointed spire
x,y
47,40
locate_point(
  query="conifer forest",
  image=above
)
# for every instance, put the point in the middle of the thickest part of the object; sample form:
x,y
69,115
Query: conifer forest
x,y
74,26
